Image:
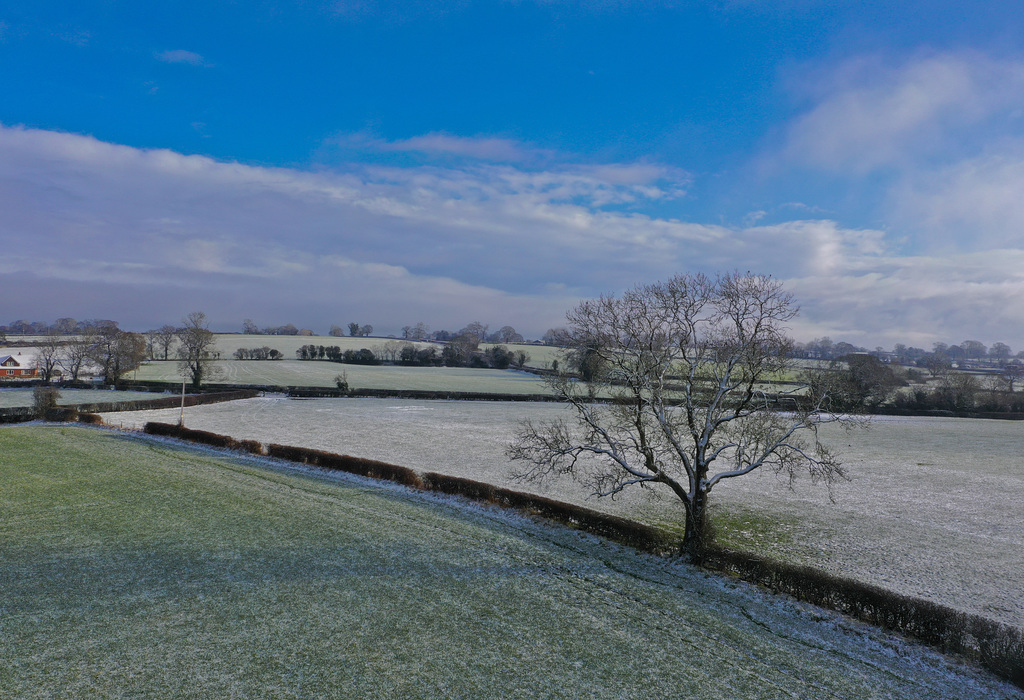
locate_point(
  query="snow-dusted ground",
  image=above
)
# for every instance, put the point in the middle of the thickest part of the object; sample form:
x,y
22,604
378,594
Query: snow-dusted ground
x,y
137,569
21,396
322,374
934,507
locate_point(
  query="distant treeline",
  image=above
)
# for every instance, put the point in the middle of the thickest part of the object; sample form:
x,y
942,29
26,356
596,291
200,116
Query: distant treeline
x,y
263,353
452,354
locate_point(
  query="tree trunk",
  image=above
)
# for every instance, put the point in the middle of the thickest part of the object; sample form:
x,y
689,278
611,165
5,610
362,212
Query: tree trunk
x,y
694,539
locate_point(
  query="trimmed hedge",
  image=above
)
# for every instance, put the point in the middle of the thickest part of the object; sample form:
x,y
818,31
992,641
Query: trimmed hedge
x,y
17,414
201,436
621,530
998,647
167,401
346,463
61,414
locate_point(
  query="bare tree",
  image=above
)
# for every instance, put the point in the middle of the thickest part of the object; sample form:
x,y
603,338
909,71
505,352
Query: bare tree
x,y
65,326
974,349
389,351
195,348
48,356
938,362
506,334
1011,373
681,404
117,352
163,339
420,331
958,391
76,356
476,329
556,336
1000,351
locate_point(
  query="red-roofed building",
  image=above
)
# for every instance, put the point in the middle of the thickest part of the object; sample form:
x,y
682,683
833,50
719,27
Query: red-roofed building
x,y
11,368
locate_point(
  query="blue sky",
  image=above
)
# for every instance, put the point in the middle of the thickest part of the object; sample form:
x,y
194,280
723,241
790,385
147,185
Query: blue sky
x,y
388,163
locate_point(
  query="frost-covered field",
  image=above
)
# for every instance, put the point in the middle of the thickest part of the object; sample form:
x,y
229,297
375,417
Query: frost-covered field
x,y
10,398
227,343
934,508
133,568
322,373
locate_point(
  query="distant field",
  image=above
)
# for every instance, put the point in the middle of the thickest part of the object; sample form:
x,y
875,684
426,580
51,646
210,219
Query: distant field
x,y
935,507
12,397
134,569
322,373
227,343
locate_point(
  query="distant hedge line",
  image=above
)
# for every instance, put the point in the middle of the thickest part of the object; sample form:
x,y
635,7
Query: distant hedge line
x,y
998,647
60,414
421,394
22,414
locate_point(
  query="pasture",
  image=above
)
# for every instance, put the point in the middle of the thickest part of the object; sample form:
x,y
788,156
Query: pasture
x,y
933,508
320,373
137,568
15,397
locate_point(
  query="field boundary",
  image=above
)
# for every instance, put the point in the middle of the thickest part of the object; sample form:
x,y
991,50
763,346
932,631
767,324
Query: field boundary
x,y
996,646
22,414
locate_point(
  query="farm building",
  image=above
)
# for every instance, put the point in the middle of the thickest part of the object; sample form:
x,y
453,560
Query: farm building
x,y
10,367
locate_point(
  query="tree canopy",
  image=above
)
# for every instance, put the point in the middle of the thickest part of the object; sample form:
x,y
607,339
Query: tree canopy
x,y
675,395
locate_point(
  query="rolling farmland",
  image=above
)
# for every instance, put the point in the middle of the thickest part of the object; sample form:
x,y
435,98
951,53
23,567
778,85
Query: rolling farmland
x,y
933,508
13,397
321,374
136,568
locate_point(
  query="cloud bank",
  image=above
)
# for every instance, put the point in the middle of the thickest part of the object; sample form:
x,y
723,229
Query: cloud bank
x,y
145,236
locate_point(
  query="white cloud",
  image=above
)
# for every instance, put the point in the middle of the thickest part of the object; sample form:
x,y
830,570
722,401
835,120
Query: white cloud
x,y
918,300
181,56
974,204
870,114
119,232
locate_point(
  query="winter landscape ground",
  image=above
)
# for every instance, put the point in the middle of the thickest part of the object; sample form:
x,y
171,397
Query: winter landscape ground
x,y
15,397
932,508
322,374
135,567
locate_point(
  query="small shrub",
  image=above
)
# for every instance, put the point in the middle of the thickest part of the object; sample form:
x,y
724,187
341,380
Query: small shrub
x,y
44,398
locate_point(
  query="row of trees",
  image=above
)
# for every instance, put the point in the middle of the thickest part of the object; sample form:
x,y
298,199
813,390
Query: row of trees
x,y
103,347
263,353
419,331
457,353
969,351
107,349
249,327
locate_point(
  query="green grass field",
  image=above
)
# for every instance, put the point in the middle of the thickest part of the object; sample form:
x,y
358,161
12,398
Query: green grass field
x,y
132,568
